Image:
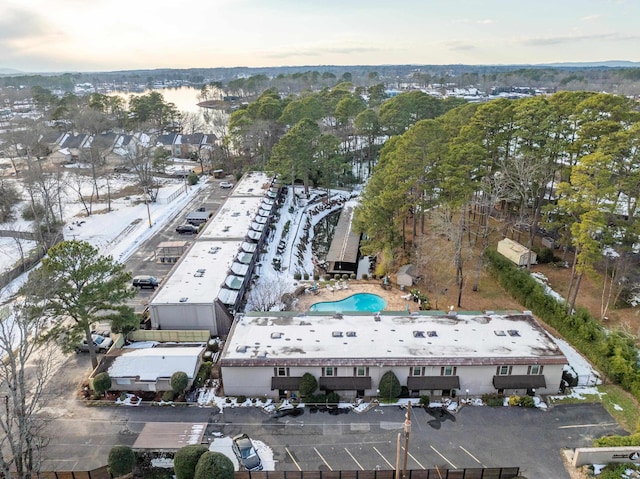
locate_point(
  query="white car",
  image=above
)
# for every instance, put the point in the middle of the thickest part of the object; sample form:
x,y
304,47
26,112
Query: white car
x,y
101,343
226,184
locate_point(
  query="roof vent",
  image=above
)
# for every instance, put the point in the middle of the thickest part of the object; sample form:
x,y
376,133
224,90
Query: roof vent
x,y
276,335
337,316
513,332
184,299
351,334
500,332
418,334
376,317
336,334
241,349
432,334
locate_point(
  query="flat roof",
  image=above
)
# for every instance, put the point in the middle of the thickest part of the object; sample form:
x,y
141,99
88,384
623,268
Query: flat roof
x,y
232,220
149,364
346,242
268,338
253,183
199,275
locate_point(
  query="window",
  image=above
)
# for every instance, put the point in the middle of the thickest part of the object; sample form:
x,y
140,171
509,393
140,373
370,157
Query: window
x,y
329,371
361,371
281,371
448,370
535,369
504,370
417,371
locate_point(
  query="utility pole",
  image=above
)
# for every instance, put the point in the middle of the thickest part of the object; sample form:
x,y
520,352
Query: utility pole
x,y
397,475
407,431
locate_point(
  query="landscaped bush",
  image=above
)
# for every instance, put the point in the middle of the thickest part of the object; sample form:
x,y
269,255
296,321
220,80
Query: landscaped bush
x,y
527,401
545,255
336,276
316,277
618,441
241,399
425,400
204,373
352,276
306,276
168,396
345,276
327,277
102,383
179,382
389,386
365,276
193,179
308,385
297,276
186,459
333,398
493,400
121,460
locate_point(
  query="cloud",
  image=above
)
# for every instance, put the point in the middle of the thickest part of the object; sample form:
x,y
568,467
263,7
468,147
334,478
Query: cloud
x,y
560,40
458,45
20,23
591,18
318,52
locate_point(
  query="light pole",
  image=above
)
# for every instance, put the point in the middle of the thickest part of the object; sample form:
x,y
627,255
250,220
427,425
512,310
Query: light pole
x,y
407,431
467,398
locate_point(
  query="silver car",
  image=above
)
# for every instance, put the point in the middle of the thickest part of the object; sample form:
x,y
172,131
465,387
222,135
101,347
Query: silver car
x,y
246,453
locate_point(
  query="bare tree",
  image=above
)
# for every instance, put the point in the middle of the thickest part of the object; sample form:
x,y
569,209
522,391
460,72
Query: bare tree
x,y
267,295
27,364
141,163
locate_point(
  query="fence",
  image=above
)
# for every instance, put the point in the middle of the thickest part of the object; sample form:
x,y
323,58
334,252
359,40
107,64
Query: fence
x,y
473,473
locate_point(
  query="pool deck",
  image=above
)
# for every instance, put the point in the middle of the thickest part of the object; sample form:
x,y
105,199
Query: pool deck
x,y
392,296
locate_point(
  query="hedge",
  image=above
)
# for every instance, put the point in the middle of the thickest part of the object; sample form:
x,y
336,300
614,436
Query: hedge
x,y
614,352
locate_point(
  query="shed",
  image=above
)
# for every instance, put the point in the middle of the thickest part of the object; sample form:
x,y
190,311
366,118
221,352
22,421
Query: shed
x,y
516,252
406,275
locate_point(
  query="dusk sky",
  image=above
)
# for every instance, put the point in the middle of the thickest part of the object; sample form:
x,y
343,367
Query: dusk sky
x,y
106,35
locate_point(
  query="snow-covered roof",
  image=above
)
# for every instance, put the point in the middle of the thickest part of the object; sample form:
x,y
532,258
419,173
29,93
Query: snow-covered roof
x,y
232,220
150,364
461,339
254,183
198,277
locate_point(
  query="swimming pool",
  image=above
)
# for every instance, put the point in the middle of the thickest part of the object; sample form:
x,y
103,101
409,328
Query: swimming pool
x,y
357,302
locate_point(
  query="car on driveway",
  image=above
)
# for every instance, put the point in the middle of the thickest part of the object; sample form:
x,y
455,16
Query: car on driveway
x,y
246,453
187,229
226,184
145,281
101,343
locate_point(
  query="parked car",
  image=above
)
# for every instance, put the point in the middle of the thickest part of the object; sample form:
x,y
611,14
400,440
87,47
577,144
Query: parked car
x,y
187,229
246,453
226,184
101,343
288,411
145,281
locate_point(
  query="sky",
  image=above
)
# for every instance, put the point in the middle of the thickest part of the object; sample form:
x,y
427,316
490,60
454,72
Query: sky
x,y
109,35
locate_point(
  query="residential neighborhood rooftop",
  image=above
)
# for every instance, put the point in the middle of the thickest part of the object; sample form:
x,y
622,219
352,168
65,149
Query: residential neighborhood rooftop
x,y
150,364
433,336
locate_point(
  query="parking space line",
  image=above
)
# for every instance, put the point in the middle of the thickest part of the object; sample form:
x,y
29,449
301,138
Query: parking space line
x,y
293,459
472,456
323,459
412,457
354,459
383,458
588,425
448,461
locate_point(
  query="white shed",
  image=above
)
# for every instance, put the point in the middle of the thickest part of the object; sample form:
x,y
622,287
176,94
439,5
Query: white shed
x,y
516,252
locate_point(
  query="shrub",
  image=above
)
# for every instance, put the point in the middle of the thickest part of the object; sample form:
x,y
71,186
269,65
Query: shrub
x,y
336,276
168,396
121,460
345,276
425,400
186,459
305,276
308,385
179,382
493,400
333,398
365,276
204,373
389,386
527,401
514,400
214,464
297,276
193,179
102,383
352,276
316,277
404,392
327,277
241,399
545,255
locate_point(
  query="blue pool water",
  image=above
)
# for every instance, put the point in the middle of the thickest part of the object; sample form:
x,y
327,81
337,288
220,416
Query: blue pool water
x,y
357,302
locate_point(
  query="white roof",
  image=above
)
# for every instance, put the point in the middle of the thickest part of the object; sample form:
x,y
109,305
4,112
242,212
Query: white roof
x,y
254,183
150,364
304,337
233,219
200,274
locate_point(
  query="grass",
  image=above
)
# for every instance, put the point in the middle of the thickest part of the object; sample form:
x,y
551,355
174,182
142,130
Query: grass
x,y
622,406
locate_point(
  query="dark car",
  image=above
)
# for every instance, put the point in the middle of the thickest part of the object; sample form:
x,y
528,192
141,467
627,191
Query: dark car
x,y
288,411
145,282
246,453
187,229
